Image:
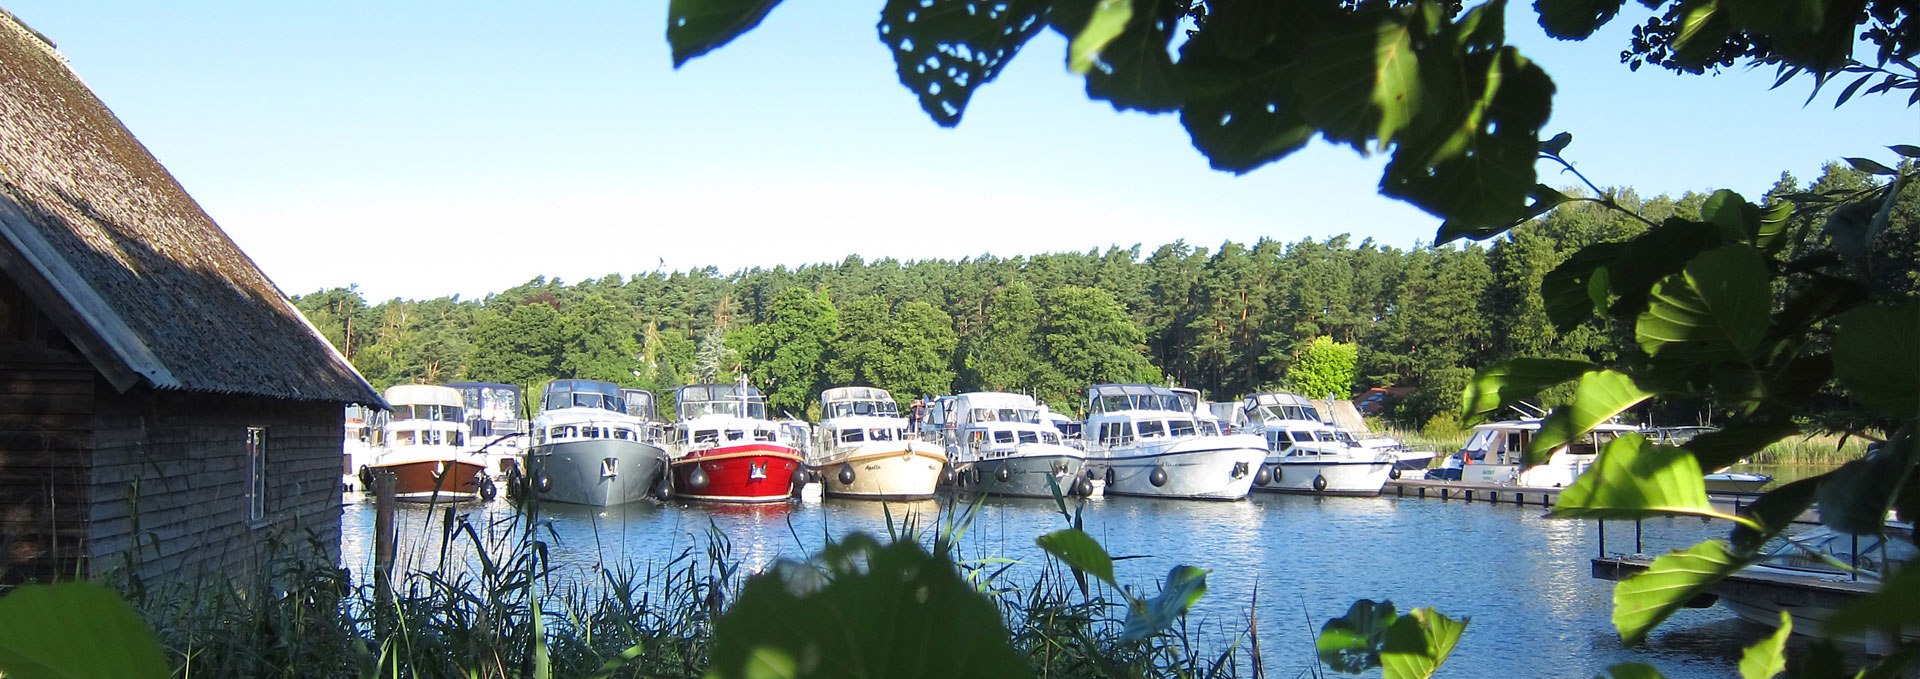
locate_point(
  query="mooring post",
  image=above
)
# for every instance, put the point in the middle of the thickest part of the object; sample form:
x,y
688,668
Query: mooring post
x,y
383,536
1637,549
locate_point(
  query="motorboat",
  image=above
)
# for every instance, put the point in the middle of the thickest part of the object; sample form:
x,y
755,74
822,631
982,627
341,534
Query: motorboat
x,y
495,422
588,447
1722,480
1819,555
1308,456
422,440
724,449
865,449
1495,453
1006,444
1345,415
1151,441
356,446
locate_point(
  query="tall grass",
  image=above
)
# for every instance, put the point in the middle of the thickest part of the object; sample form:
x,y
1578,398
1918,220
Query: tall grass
x,y
493,607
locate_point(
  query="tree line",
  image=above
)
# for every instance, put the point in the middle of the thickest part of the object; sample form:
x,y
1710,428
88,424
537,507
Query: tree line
x,y
1330,315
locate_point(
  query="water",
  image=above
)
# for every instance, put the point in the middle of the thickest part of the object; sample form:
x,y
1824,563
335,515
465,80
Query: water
x,y
1522,578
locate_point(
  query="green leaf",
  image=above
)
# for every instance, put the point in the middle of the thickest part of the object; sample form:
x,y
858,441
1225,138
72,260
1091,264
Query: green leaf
x,y
1713,310
1768,233
1773,513
1856,497
1633,480
1469,156
1185,585
1644,600
1869,165
1600,396
1736,218
1079,550
1352,643
1242,122
1134,71
1569,290
945,49
75,630
1109,18
853,625
1363,83
1634,670
1503,384
1702,30
1906,150
1418,643
1653,256
696,27
1876,355
1575,19
1768,658
1559,142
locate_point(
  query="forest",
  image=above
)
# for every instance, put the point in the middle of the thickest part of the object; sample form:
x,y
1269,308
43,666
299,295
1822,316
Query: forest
x,y
1332,315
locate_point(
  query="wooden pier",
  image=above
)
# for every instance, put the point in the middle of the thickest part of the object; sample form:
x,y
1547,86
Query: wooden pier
x,y
1800,592
1471,491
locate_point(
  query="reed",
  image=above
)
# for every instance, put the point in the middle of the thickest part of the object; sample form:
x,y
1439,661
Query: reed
x,y
494,607
1816,449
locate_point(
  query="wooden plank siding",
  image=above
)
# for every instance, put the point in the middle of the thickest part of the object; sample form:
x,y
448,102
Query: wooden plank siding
x,y
44,487
170,485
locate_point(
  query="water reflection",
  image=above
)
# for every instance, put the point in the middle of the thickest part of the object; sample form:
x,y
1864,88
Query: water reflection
x,y
1522,578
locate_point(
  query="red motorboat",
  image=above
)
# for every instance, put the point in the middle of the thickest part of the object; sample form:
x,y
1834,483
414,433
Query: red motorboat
x,y
725,450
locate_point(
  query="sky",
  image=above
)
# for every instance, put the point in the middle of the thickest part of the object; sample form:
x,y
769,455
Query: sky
x,y
424,149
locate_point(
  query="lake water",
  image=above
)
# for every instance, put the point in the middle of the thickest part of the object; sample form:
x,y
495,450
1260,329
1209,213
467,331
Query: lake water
x,y
1522,578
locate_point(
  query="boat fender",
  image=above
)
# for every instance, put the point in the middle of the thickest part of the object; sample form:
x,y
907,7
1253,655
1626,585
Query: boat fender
x,y
1263,477
487,489
1158,477
1083,488
950,475
1319,483
516,484
1109,477
1394,473
542,481
697,478
366,478
1004,473
846,474
1276,473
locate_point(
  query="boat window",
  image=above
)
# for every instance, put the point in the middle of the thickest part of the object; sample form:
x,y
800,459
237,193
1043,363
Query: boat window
x,y
403,438
1003,437
905,434
1152,428
1209,428
1050,437
1180,427
705,436
764,435
1301,436
1029,436
1324,435
853,435
736,435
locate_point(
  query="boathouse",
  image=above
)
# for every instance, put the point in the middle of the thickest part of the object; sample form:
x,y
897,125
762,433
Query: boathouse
x,y
165,412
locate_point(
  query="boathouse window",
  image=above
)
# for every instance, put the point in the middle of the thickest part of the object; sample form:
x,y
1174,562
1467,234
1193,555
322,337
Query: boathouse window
x,y
256,473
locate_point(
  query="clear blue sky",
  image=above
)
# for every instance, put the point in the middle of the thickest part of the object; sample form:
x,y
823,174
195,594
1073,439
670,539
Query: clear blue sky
x,y
421,149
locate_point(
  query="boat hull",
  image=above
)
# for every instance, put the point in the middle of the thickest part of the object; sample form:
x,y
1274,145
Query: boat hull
x,y
1735,482
597,472
1357,477
1205,468
1023,476
437,480
749,473
1806,619
1413,460
905,470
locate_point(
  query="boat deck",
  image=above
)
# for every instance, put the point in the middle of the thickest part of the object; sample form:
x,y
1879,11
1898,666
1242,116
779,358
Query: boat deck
x,y
1788,590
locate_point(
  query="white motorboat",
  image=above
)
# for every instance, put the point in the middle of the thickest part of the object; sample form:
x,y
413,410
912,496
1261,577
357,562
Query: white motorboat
x,y
1006,444
1815,555
1151,442
356,447
423,441
1311,457
1722,480
864,449
588,448
1495,454
494,422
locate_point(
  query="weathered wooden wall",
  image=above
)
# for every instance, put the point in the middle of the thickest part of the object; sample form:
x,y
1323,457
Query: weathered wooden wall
x,y
169,483
45,429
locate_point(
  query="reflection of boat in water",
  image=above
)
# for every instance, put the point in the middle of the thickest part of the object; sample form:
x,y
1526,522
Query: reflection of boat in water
x,y
1817,556
1005,444
423,441
1152,442
865,449
724,449
590,449
1308,456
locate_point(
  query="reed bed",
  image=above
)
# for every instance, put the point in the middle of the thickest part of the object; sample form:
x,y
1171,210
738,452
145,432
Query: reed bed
x,y
493,607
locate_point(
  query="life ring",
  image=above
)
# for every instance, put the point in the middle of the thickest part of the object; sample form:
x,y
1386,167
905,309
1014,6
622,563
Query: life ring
x,y
1319,483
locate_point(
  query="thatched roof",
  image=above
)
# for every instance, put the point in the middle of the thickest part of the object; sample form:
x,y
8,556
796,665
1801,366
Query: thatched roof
x,y
125,263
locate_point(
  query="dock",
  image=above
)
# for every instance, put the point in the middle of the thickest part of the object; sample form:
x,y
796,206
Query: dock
x,y
1784,590
1475,491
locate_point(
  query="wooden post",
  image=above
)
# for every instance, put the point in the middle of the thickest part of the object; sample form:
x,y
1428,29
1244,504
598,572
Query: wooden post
x,y
383,481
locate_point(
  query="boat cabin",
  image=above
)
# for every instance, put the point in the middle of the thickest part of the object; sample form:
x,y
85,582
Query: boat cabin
x,y
421,415
583,394
714,415
583,410
857,402
1279,407
493,408
1308,440
1116,398
695,401
640,403
1496,453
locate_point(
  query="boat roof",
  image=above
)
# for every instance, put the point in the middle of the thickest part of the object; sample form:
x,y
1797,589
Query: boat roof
x,y
424,394
995,399
1278,399
856,394
715,392
1534,424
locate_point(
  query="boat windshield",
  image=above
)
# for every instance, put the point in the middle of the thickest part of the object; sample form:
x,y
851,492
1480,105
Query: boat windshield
x,y
731,400
1875,552
1027,415
1286,412
425,411
878,408
583,394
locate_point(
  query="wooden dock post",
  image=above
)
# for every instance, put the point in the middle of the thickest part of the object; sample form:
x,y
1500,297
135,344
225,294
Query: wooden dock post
x,y
382,482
